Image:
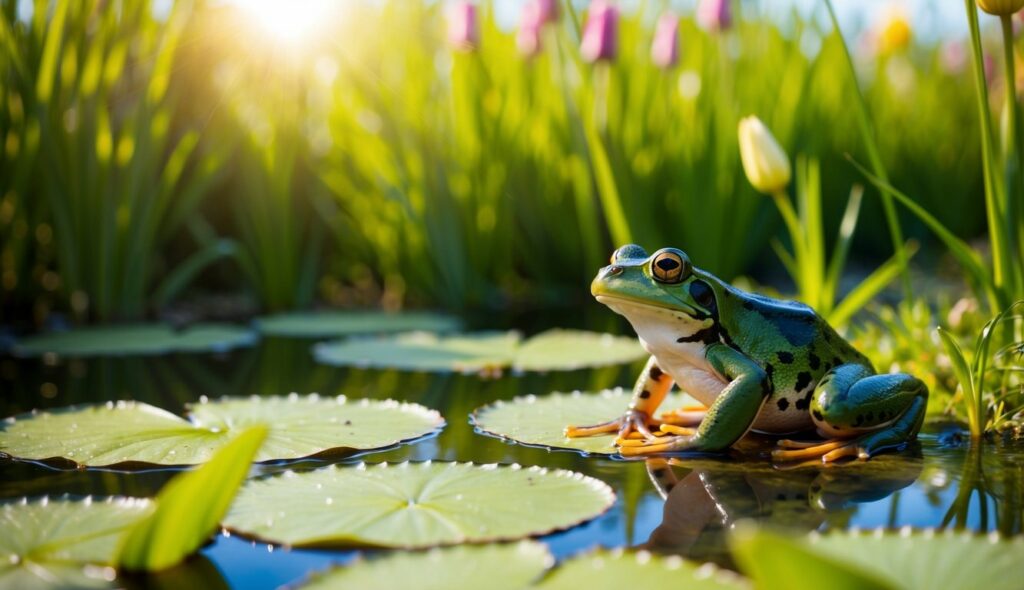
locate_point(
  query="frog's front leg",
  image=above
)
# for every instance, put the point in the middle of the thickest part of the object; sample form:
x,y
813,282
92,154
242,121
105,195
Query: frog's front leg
x,y
863,413
728,418
650,390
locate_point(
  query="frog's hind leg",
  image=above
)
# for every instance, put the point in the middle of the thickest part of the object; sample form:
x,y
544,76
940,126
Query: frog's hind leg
x,y
861,414
650,390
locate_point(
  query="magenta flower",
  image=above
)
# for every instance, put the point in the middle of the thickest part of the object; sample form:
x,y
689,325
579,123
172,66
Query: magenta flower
x,y
536,14
665,48
528,40
714,15
600,34
462,26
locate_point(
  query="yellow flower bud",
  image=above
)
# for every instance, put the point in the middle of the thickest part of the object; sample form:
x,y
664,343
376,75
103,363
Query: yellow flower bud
x,y
1001,7
764,161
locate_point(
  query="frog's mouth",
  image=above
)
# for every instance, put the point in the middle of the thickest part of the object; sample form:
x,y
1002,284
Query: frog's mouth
x,y
626,306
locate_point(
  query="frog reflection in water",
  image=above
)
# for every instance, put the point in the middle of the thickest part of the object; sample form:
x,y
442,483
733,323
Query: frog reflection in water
x,y
756,363
704,500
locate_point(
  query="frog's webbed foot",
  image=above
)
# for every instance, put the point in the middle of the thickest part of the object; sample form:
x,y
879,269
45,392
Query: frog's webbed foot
x,y
670,438
690,415
828,451
633,421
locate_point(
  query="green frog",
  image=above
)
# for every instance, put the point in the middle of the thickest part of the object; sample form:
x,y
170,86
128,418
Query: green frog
x,y
755,363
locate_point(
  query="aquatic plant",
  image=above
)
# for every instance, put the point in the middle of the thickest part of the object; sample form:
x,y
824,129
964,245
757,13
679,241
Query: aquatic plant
x,y
989,401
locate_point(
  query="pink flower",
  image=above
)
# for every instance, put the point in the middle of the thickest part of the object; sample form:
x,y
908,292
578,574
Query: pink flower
x,y
953,57
462,26
665,48
714,15
536,14
600,34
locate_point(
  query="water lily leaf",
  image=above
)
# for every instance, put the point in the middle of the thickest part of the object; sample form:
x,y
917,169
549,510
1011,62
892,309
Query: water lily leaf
x,y
637,569
189,508
47,543
415,504
521,566
507,566
910,559
541,420
138,339
126,433
487,351
332,324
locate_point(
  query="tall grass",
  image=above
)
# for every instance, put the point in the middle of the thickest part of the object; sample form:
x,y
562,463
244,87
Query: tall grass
x,y
103,161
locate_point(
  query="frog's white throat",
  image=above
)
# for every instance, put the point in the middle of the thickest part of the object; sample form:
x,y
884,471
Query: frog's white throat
x,y
663,332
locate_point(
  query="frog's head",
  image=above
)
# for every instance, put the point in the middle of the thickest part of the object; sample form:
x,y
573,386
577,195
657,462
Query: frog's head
x,y
662,295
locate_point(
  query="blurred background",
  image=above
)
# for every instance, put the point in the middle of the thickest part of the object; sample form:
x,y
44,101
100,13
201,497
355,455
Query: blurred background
x,y
209,158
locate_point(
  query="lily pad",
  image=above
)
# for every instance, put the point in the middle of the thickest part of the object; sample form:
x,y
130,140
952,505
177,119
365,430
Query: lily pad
x,y
637,569
928,559
126,432
554,350
59,543
509,566
332,324
415,505
521,566
541,420
138,339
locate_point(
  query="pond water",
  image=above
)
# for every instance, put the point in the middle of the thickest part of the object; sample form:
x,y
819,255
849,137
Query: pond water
x,y
684,508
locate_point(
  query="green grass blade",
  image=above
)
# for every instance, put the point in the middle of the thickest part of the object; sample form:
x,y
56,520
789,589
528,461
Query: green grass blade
x,y
190,507
864,292
965,376
842,248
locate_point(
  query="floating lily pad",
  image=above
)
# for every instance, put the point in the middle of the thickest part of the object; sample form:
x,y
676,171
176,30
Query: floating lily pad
x,y
554,350
59,543
415,504
509,566
637,569
927,559
134,432
541,420
139,339
520,566
332,324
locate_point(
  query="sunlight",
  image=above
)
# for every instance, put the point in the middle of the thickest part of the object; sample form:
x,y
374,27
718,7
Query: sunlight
x,y
290,22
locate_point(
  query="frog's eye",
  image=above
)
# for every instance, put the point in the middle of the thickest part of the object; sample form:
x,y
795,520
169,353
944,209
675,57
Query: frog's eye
x,y
627,252
670,266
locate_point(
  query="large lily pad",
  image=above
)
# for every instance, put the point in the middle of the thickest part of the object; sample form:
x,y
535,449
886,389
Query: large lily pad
x,y
926,559
520,566
415,504
64,542
138,339
554,350
541,420
332,324
508,566
133,432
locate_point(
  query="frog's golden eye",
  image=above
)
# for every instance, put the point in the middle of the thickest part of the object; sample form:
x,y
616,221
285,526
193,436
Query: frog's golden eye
x,y
670,266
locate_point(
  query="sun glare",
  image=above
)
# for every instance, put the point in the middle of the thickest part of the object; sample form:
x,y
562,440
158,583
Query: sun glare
x,y
287,20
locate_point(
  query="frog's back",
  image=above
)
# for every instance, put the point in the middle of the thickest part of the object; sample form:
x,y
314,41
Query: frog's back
x,y
794,345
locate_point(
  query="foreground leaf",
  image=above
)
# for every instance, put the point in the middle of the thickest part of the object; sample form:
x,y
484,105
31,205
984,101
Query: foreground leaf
x,y
139,339
495,567
926,559
619,569
415,504
541,420
189,508
554,350
127,433
520,566
328,324
47,543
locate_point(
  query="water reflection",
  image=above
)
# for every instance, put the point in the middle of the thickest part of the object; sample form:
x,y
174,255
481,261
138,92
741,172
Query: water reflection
x,y
684,507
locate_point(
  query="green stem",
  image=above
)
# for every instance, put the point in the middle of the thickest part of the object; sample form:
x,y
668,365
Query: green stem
x,y
1011,198
792,221
874,155
987,148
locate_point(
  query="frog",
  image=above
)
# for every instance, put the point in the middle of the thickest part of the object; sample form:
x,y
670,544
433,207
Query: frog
x,y
754,363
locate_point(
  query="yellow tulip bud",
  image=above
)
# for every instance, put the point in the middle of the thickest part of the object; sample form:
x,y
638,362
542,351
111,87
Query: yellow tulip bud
x,y
1001,7
764,161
